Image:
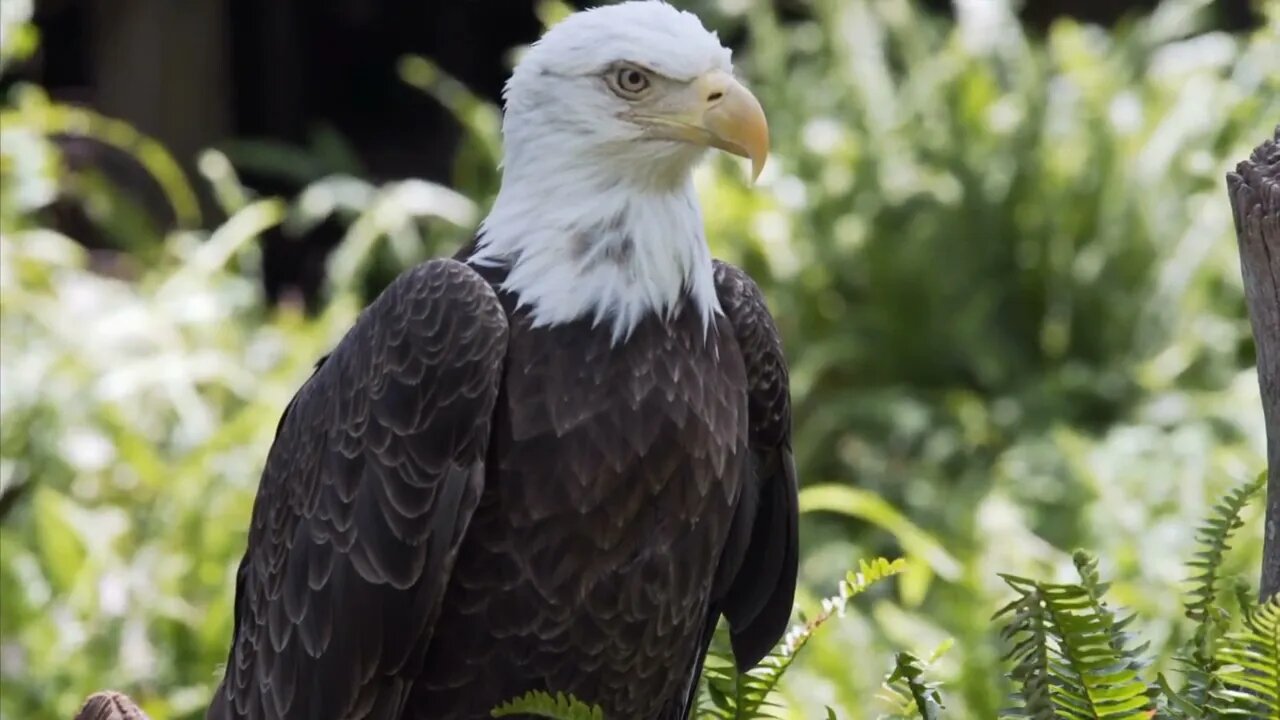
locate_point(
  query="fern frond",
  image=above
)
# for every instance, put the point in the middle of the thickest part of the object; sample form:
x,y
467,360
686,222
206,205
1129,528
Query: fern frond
x,y
1118,638
1064,659
1197,660
912,696
1214,538
1248,672
1197,664
730,695
542,704
1175,704
1026,632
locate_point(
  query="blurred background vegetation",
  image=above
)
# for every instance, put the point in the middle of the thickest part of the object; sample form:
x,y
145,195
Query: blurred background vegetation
x,y
996,241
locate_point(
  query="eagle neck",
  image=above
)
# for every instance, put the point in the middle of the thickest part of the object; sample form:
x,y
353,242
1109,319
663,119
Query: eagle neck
x,y
597,247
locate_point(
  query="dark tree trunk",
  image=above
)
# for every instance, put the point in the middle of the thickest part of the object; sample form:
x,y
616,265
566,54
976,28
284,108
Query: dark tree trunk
x,y
162,66
1255,201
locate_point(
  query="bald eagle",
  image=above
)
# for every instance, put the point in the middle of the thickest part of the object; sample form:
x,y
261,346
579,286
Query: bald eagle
x,y
556,460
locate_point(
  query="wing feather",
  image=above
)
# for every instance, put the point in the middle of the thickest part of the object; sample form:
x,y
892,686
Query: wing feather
x,y
377,466
756,582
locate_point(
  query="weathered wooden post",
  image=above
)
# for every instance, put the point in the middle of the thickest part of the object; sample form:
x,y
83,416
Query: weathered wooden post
x,y
1255,202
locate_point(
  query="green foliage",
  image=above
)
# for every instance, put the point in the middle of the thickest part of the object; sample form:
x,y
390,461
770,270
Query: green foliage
x,y
1002,264
728,694
1071,657
1214,538
906,687
556,707
145,409
1248,672
33,119
1069,660
1198,658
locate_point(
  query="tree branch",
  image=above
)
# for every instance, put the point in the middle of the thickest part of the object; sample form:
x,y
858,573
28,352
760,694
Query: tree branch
x,y
1254,189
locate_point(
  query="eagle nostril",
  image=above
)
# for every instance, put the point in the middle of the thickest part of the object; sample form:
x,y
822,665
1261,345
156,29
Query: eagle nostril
x,y
715,96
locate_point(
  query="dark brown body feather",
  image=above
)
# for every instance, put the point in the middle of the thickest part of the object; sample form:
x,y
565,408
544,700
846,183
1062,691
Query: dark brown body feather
x,y
460,507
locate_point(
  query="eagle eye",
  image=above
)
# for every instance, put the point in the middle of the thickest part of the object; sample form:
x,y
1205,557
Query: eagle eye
x,y
629,81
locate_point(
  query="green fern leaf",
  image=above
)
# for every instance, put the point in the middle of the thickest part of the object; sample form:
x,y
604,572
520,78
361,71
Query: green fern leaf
x,y
1070,660
1214,538
556,707
1197,660
1176,704
906,688
729,695
1119,640
1025,630
1248,667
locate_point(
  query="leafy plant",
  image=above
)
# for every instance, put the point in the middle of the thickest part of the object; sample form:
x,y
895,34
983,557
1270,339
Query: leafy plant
x,y
1214,538
1248,673
906,687
1068,658
1198,658
731,695
546,705
36,173
1072,658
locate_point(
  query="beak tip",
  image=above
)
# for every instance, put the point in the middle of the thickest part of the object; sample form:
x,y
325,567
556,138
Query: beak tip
x,y
737,124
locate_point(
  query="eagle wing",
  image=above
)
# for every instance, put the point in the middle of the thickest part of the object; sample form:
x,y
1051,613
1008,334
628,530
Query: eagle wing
x,y
756,580
377,466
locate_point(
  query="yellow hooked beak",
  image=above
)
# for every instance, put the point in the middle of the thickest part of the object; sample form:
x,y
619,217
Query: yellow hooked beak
x,y
716,111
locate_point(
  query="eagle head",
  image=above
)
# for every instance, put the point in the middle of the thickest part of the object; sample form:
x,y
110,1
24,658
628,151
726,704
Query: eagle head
x,y
639,82
604,119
